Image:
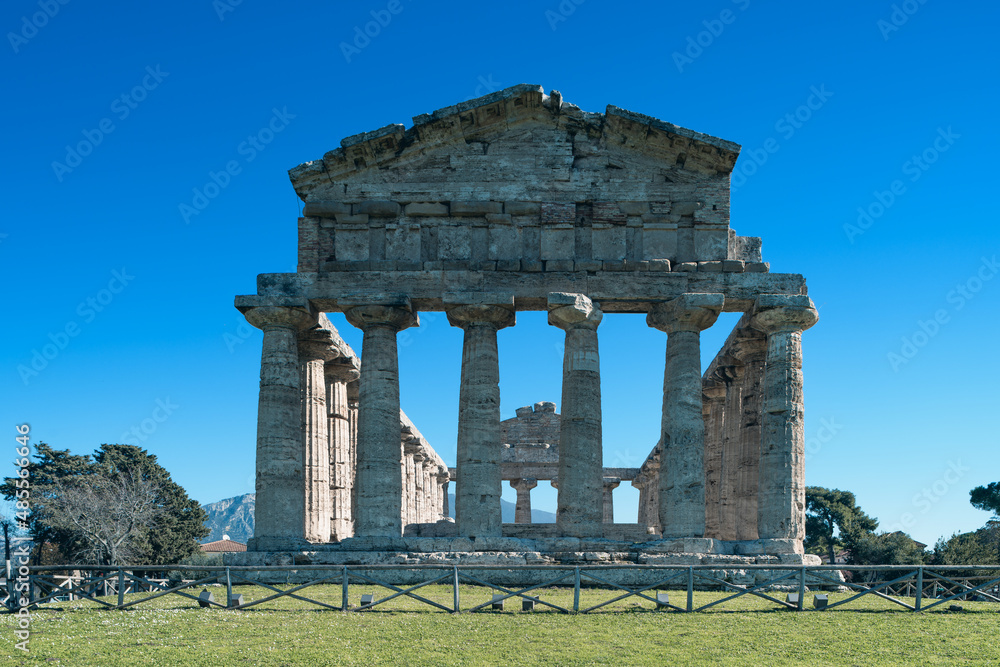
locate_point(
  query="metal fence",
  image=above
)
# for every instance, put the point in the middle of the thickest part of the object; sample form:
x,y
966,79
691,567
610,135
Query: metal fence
x,y
912,587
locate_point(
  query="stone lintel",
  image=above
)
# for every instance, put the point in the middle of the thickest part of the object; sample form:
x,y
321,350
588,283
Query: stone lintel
x,y
616,291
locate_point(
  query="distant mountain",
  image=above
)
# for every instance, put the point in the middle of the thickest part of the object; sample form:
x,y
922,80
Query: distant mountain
x,y
232,517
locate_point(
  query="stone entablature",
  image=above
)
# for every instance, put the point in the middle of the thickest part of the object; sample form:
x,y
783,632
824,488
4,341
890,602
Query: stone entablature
x,y
521,181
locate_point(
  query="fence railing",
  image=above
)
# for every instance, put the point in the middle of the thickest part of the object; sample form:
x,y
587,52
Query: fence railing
x,y
909,587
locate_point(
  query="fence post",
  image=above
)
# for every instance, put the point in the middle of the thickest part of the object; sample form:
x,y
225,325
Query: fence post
x,y
920,588
229,589
802,587
690,602
576,589
343,599
454,583
121,587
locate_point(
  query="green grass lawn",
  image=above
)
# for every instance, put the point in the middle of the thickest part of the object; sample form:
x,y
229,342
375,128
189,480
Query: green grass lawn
x,y
749,631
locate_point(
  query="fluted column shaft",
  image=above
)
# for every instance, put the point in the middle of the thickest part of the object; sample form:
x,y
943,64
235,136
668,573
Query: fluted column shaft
x,y
314,352
522,508
752,353
610,484
280,483
781,495
732,421
338,375
714,404
419,494
477,496
682,468
581,458
379,482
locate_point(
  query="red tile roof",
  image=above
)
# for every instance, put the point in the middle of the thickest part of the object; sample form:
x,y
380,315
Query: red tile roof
x,y
224,545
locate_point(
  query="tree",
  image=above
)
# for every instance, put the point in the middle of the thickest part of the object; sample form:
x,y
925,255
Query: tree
x,y
48,466
898,548
986,498
980,547
161,537
829,510
108,513
174,533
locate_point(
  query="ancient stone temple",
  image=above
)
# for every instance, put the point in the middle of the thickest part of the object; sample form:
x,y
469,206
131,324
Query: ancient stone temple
x,y
511,202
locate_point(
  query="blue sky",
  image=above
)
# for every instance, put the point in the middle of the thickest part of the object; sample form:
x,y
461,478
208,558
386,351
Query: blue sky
x,y
869,146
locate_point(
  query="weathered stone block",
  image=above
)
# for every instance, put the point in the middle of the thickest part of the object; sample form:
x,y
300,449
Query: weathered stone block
x,y
378,208
508,265
558,242
531,265
454,242
504,242
686,266
710,267
732,266
325,209
659,240
351,244
711,242
634,207
344,219
402,242
559,265
588,265
608,242
757,267
426,210
659,265
459,208
521,208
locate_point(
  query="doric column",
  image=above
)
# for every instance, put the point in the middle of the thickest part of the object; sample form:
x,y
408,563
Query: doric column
x,y
682,469
522,509
280,486
353,394
409,484
338,376
419,490
610,484
781,495
732,420
477,496
378,479
581,459
751,352
315,349
430,492
445,504
641,483
714,401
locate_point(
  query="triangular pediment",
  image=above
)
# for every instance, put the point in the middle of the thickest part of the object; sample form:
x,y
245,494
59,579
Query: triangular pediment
x,y
519,144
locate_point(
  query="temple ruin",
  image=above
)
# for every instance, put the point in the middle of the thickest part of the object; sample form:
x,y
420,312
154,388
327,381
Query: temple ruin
x,y
519,201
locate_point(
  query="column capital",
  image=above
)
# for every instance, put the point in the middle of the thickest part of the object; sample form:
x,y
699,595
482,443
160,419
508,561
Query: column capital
x,y
612,482
337,370
571,311
317,343
714,391
463,315
263,317
524,483
394,316
775,313
689,312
